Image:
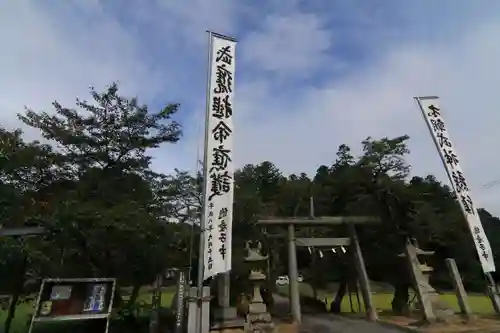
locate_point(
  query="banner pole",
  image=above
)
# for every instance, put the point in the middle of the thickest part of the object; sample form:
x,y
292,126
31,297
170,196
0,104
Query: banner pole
x,y
201,254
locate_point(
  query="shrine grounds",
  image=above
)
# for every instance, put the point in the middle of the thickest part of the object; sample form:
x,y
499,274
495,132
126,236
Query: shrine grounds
x,y
480,304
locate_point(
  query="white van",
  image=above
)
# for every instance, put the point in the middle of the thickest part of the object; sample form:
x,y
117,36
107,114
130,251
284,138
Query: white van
x,y
282,280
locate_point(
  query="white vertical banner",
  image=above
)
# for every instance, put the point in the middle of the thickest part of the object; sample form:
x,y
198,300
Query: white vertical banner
x,y
219,167
432,114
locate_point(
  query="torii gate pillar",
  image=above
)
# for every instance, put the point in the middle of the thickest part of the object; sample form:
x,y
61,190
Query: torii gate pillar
x,y
293,275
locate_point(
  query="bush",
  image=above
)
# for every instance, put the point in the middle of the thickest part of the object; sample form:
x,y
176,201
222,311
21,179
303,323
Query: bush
x,y
131,319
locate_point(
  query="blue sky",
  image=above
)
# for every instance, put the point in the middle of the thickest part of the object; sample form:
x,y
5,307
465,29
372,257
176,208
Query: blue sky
x,y
311,75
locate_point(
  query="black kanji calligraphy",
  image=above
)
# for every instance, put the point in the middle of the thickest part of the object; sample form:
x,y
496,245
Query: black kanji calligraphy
x,y
222,226
224,80
485,255
210,213
211,205
477,230
459,181
438,125
479,239
450,157
223,213
467,203
224,55
221,132
221,158
221,107
222,237
220,183
482,246
210,262
223,251
434,111
443,140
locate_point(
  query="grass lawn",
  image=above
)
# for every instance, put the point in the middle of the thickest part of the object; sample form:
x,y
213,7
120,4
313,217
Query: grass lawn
x,y
23,311
146,297
19,324
479,304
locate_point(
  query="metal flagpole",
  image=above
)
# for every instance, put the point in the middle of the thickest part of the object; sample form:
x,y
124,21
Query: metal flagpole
x,y
201,255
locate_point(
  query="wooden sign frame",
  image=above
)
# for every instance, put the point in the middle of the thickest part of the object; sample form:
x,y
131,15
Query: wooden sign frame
x,y
44,295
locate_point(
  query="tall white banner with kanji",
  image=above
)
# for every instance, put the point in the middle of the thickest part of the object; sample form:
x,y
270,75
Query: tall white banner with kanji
x,y
219,167
433,116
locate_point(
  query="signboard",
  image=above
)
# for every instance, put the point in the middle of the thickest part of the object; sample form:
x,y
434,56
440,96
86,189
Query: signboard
x,y
433,117
218,166
75,300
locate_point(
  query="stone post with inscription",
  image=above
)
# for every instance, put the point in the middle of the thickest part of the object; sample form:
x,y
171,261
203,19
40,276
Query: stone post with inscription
x,y
179,302
156,305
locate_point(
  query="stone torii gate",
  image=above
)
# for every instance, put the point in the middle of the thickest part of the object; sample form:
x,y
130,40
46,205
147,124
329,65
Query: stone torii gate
x,y
292,241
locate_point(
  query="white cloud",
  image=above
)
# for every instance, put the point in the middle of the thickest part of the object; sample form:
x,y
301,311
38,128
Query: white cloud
x,y
45,57
378,102
294,44
191,18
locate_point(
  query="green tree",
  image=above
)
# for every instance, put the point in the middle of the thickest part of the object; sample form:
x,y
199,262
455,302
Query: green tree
x,y
109,209
25,168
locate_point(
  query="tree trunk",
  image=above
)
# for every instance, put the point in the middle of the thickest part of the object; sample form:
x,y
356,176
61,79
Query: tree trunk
x,y
274,259
335,307
117,300
314,283
134,295
352,288
16,294
400,300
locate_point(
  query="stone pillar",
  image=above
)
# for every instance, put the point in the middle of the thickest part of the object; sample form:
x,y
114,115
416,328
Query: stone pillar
x,y
205,310
223,289
225,316
192,310
194,306
364,282
493,293
463,300
293,275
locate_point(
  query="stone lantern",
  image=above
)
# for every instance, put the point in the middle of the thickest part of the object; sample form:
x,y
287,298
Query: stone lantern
x,y
258,319
430,296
